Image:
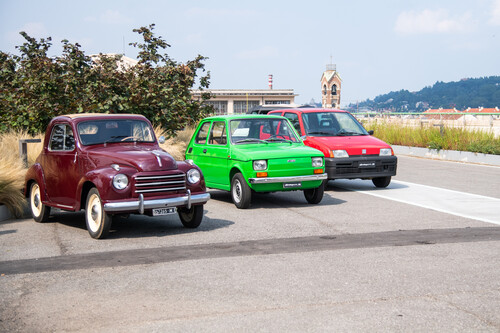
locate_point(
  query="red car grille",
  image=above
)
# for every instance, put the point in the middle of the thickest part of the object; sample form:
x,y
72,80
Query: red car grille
x,y
156,184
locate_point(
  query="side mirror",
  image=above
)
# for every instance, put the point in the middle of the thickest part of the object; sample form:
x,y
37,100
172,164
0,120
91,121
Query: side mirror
x,y
161,139
370,132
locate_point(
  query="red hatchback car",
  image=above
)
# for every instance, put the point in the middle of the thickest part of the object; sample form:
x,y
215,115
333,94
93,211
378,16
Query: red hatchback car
x,y
350,151
110,165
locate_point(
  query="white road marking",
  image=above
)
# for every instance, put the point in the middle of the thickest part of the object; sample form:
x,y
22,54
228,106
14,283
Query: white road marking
x,y
472,206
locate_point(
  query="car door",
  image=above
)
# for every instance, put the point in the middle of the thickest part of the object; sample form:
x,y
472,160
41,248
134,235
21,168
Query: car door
x,y
216,155
61,167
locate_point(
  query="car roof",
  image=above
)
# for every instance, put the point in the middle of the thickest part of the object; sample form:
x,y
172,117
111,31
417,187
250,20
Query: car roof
x,y
312,110
242,116
83,116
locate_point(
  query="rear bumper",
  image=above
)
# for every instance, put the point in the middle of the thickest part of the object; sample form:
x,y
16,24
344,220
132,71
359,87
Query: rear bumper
x,y
272,180
361,167
141,205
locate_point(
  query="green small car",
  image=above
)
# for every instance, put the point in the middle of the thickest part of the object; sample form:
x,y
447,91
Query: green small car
x,y
255,153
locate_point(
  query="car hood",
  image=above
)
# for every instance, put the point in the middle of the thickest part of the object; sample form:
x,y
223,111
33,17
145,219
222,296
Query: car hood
x,y
140,157
272,150
352,144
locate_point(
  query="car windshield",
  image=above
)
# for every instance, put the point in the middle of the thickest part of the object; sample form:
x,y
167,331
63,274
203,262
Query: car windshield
x,y
332,124
95,132
262,130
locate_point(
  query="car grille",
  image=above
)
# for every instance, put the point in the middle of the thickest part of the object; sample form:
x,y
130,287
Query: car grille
x,y
160,184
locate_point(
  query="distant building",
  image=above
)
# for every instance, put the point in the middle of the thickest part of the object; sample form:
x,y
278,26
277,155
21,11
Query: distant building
x,y
234,101
330,87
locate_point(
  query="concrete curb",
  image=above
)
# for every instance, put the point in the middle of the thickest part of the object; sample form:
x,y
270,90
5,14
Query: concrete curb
x,y
448,155
4,213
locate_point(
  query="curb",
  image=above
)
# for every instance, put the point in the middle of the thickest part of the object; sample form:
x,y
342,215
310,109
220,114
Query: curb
x,y
4,213
448,155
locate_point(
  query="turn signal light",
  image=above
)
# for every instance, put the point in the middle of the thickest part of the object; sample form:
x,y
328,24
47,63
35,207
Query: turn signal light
x,y
261,174
318,170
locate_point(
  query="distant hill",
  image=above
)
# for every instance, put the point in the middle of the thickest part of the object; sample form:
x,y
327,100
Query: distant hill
x,y
473,92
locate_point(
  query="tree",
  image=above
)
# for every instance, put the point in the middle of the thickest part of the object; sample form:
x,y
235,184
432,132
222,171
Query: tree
x,y
34,87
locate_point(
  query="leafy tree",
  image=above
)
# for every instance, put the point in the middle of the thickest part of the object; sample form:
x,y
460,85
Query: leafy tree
x,y
34,87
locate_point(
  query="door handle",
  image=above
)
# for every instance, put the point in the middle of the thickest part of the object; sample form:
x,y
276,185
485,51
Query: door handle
x,y
204,151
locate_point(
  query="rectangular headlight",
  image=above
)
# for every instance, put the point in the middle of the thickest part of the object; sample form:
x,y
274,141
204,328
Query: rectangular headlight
x,y
385,152
259,165
317,162
340,153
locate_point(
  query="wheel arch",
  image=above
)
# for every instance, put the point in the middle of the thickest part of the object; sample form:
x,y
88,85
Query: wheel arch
x,y
83,195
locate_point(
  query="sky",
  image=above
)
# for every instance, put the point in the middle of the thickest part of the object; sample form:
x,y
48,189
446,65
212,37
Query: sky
x,y
377,46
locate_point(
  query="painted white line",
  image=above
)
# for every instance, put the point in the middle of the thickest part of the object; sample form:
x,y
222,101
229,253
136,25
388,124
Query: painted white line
x,y
472,206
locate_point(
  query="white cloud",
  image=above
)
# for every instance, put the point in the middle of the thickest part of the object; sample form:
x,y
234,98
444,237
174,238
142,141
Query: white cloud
x,y
266,52
429,22
495,13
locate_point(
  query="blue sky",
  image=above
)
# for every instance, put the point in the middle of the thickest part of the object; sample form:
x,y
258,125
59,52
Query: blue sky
x,y
378,46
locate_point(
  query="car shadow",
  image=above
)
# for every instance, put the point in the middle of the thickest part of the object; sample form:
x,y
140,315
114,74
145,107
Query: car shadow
x,y
271,200
140,226
347,185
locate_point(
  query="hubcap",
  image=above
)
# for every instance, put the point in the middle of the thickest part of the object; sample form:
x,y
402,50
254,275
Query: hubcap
x,y
35,200
237,191
94,212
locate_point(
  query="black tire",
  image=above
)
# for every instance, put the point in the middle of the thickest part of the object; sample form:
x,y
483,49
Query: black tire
x,y
39,211
191,218
98,222
240,192
381,181
315,195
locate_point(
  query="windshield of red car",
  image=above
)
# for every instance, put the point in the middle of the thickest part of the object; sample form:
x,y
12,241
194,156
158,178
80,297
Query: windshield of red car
x,y
261,130
95,132
331,124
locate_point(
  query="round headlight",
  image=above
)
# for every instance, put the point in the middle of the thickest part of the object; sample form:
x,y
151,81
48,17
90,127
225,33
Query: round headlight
x,y
193,176
120,181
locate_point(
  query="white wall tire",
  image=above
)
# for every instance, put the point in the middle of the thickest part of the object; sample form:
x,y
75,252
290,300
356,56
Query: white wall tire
x,y
98,222
39,211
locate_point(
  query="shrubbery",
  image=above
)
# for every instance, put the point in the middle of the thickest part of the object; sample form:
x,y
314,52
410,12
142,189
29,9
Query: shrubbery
x,y
34,87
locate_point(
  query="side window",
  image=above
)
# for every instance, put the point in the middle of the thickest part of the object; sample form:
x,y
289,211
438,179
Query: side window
x,y
218,134
294,119
202,135
62,138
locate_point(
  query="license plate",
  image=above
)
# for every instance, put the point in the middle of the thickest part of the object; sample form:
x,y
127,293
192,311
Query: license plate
x,y
366,164
164,211
292,185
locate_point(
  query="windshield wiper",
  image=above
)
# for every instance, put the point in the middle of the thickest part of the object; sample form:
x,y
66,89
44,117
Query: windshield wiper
x,y
251,140
347,133
278,139
325,133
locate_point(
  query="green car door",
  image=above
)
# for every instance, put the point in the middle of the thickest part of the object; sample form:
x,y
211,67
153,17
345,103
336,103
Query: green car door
x,y
210,151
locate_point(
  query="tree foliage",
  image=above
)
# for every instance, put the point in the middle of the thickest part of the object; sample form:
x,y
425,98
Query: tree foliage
x,y
461,95
34,87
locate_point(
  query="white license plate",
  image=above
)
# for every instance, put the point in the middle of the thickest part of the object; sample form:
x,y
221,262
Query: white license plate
x,y
164,211
292,185
366,164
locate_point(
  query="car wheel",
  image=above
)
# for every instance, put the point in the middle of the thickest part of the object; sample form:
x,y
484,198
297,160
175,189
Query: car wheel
x,y
98,222
315,195
39,211
382,181
191,218
240,192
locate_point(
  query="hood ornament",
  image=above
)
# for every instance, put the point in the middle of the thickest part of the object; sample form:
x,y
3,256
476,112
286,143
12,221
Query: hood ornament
x,y
157,154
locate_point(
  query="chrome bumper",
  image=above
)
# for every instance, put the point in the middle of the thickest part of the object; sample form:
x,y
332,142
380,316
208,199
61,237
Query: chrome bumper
x,y
270,180
141,205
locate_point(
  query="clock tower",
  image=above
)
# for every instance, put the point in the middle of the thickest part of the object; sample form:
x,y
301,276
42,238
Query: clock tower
x,y
330,87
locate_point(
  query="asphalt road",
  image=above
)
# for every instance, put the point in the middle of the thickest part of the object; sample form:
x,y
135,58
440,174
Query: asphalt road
x,y
421,255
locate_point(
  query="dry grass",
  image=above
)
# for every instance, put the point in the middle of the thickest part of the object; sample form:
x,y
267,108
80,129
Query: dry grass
x,y
12,170
176,146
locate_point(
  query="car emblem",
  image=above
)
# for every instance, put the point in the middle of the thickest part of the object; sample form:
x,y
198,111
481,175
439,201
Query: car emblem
x,y
363,151
291,161
157,154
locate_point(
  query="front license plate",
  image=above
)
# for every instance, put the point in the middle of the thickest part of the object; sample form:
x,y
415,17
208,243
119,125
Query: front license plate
x,y
292,185
164,211
366,164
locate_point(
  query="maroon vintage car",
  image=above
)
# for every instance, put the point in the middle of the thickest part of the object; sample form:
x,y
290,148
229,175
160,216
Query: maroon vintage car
x,y
110,165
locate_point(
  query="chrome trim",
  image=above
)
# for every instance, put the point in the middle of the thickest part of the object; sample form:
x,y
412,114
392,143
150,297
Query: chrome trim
x,y
270,180
128,206
141,204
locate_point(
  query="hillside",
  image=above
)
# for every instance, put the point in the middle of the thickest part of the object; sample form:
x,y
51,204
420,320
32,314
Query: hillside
x,y
471,92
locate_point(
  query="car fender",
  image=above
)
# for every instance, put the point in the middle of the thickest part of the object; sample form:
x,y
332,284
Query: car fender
x,y
310,142
102,179
35,174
